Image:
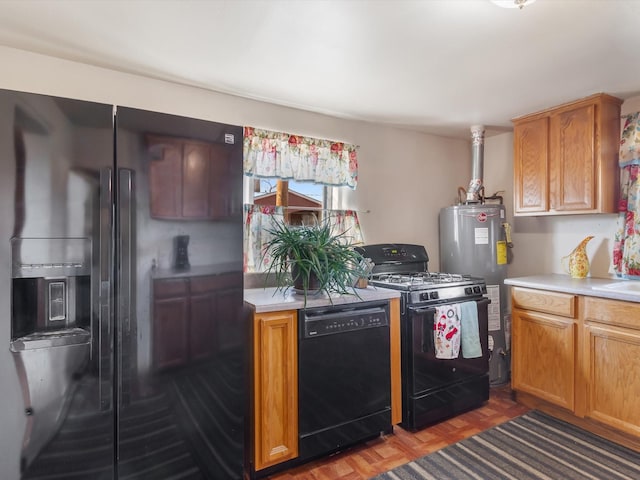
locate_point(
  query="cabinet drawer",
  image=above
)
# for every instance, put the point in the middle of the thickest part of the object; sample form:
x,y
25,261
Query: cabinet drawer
x,y
612,312
170,288
562,304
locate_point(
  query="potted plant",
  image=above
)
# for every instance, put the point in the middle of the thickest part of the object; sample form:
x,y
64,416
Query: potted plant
x,y
317,259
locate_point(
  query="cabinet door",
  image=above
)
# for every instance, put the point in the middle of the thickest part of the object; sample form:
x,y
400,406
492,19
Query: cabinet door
x,y
165,179
544,350
531,166
195,181
275,388
612,362
203,334
573,161
170,331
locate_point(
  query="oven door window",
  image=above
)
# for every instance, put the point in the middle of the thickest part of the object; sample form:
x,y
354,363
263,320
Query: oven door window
x,y
427,372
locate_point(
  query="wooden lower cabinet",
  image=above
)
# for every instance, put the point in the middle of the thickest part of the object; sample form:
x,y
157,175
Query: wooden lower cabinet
x,y
612,363
544,345
275,376
550,340
581,364
396,367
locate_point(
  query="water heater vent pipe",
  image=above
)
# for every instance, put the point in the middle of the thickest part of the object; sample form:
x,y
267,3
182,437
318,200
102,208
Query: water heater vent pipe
x,y
477,159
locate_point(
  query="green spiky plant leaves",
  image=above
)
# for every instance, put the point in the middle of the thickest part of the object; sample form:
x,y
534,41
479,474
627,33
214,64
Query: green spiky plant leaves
x,y
318,259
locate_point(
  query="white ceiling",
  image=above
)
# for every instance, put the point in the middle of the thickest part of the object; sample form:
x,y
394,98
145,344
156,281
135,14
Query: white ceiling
x,y
439,66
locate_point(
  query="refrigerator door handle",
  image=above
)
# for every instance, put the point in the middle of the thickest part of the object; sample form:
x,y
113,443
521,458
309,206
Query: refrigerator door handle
x,y
105,295
126,327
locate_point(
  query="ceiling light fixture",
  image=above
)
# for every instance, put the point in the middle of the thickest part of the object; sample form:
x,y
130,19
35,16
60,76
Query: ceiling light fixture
x,y
512,3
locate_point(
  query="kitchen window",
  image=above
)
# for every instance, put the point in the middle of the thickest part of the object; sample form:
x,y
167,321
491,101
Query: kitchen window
x,y
294,179
303,202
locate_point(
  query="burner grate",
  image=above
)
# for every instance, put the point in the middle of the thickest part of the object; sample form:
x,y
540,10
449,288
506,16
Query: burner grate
x,y
420,278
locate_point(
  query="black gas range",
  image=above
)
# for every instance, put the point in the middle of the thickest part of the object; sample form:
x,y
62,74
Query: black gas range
x,y
405,267
430,287
433,388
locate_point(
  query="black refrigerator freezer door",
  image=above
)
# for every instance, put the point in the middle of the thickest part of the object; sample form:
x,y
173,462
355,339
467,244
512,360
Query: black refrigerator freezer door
x,y
149,381
52,153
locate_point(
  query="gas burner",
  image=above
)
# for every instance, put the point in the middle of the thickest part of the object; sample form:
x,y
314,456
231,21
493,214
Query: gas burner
x,y
405,267
417,279
439,277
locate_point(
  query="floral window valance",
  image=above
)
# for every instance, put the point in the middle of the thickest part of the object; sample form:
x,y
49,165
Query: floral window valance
x,y
271,154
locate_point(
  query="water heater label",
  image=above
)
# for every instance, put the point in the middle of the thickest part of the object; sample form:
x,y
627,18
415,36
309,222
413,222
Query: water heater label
x,y
501,252
493,293
481,236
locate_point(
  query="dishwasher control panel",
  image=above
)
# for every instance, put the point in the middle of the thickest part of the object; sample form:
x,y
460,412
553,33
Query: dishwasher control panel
x,y
332,322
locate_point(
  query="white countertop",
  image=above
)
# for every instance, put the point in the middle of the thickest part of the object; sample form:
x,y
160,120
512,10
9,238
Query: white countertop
x,y
578,286
273,300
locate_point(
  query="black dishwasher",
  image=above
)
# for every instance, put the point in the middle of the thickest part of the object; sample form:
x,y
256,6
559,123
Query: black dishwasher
x,y
343,376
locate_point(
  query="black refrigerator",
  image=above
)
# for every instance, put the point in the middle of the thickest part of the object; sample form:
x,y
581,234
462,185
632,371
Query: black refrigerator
x,y
124,350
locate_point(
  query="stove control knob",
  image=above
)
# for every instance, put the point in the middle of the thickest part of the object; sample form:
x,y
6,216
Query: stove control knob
x,y
476,290
433,295
468,290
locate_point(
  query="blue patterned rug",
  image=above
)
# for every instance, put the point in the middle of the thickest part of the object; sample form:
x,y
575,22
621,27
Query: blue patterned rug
x,y
533,446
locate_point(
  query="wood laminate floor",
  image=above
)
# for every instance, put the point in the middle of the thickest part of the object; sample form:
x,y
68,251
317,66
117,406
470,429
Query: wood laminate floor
x,y
384,453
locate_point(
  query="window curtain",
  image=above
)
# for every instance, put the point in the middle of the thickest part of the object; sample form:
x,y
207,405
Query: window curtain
x,y
282,155
258,220
261,218
346,222
626,246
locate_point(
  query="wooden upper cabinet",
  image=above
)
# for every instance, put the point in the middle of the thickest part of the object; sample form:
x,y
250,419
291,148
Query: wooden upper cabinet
x,y
188,179
573,177
531,169
566,158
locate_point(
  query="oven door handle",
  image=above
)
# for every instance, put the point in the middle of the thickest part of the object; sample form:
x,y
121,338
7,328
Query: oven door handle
x,y
420,310
426,308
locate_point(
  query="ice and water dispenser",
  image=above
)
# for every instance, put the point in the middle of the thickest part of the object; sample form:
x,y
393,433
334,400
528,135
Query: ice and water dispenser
x,y
51,283
50,329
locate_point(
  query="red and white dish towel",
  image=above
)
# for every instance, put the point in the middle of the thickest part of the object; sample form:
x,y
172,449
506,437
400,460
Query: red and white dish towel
x,y
446,331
